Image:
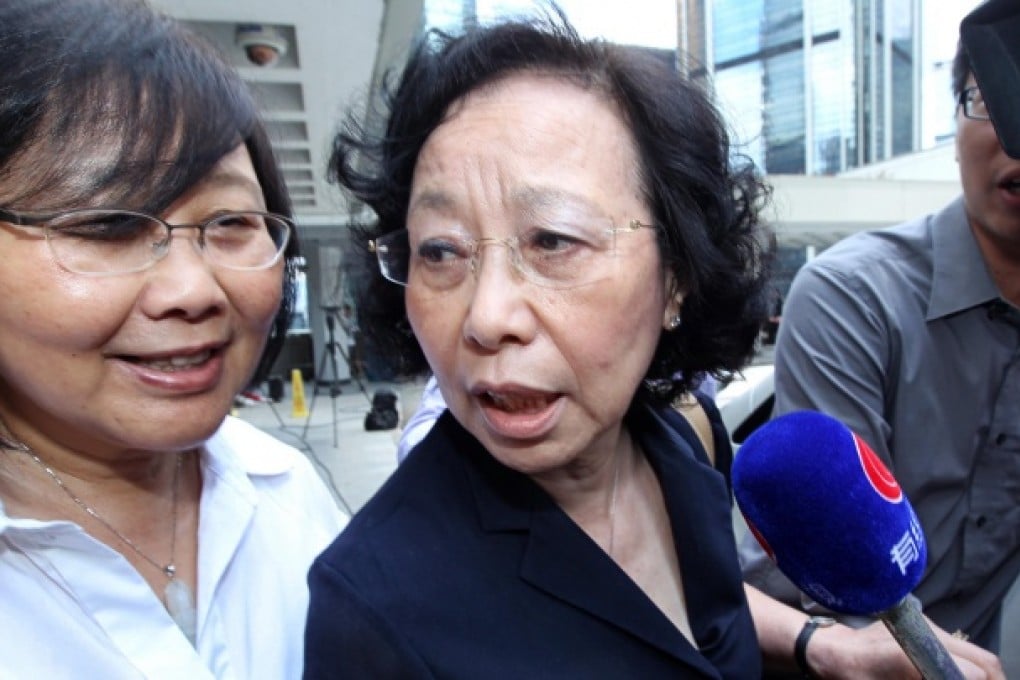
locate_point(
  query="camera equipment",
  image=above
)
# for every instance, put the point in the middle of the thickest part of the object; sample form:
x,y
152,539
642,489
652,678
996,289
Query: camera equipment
x,y
263,45
329,354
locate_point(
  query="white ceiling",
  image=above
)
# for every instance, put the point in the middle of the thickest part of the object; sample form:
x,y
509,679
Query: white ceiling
x,y
329,63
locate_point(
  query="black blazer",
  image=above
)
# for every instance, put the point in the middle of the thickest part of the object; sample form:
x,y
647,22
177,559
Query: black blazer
x,y
460,567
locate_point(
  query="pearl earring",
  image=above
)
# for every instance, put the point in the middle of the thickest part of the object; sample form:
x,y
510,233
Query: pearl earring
x,y
674,323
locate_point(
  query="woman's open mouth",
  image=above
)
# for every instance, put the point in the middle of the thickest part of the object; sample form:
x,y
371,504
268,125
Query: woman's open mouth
x,y
520,413
516,402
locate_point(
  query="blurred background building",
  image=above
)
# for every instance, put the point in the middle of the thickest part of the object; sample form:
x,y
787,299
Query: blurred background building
x,y
814,87
846,104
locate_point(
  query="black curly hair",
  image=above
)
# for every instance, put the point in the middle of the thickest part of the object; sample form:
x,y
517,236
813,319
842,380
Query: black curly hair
x,y
706,200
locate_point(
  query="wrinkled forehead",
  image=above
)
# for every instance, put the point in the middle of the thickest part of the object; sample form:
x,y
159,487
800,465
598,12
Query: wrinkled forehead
x,y
530,141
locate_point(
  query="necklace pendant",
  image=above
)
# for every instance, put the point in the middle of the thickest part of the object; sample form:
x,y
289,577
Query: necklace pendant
x,y
170,571
180,604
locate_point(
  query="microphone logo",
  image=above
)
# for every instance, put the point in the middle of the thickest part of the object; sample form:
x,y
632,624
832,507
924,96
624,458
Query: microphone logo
x,y
761,539
878,475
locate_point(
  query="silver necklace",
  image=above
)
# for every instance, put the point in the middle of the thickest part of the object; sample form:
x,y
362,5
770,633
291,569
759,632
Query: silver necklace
x,y
177,597
170,569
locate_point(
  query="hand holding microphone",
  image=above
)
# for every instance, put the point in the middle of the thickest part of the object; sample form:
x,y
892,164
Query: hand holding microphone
x,y
844,653
837,524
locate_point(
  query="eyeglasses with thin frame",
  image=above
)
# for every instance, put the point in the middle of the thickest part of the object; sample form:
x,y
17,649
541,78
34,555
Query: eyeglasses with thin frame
x,y
552,258
973,104
110,242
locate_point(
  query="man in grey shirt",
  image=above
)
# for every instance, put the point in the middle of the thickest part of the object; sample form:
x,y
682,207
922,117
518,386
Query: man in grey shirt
x,y
911,336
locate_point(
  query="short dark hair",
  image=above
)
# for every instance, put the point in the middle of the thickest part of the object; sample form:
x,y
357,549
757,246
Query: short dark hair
x,y
961,69
110,103
706,200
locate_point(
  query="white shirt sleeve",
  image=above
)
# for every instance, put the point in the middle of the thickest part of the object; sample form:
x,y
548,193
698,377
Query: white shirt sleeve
x,y
419,424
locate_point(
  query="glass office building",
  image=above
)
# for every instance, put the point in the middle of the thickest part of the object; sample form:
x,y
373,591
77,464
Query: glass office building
x,y
812,87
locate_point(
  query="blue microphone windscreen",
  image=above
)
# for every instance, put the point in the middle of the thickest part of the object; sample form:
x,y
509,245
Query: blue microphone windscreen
x,y
828,511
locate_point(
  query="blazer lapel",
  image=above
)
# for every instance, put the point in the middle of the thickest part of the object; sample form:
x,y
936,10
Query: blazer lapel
x,y
698,503
564,562
561,560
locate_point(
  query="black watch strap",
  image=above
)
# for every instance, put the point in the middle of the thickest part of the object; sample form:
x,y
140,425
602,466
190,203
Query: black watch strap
x,y
800,646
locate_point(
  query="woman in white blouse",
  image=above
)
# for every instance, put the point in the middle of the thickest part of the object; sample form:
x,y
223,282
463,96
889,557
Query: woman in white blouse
x,y
147,277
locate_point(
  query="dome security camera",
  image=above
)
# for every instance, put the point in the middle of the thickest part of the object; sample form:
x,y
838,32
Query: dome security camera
x,y
263,45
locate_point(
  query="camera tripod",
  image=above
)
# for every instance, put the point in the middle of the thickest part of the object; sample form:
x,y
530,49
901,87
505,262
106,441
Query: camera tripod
x,y
331,350
329,355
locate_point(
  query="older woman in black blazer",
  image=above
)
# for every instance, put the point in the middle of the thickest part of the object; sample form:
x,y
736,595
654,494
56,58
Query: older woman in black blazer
x,y
574,242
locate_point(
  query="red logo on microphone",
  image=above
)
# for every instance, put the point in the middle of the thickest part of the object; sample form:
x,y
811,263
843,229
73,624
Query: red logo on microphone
x,y
877,473
761,539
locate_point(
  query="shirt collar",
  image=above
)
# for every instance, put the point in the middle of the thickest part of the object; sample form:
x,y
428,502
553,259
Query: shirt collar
x,y
960,278
28,524
236,451
238,444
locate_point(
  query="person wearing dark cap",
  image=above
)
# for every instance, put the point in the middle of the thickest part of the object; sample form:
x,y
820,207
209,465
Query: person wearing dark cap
x,y
911,336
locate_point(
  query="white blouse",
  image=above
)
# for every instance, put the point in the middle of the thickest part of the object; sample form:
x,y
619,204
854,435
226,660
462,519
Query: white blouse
x,y
71,607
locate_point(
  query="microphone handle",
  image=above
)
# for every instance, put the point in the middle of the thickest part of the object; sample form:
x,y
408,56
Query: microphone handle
x,y
915,636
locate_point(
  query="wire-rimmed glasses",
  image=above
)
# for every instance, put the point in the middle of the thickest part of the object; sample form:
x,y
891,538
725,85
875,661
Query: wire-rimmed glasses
x,y
109,242
552,258
973,104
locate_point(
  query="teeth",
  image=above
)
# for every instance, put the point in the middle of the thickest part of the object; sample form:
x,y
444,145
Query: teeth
x,y
514,402
179,362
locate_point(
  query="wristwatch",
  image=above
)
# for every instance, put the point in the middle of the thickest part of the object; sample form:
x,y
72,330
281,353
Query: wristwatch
x,y
800,646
